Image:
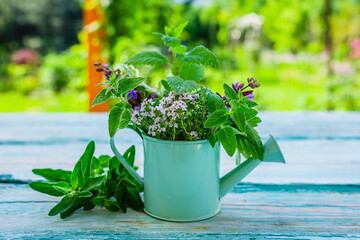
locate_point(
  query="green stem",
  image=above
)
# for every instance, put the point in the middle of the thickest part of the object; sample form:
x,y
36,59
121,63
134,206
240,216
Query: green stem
x,y
183,126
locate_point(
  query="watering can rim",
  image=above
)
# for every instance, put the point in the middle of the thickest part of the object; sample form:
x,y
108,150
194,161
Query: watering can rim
x,y
176,142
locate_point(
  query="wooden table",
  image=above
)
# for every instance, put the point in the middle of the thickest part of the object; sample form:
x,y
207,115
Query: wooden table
x,y
315,195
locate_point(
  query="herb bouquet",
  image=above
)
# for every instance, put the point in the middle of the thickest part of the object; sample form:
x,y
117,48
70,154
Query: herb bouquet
x,y
181,123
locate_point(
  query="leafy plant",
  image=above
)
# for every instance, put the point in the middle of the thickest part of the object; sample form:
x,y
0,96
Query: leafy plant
x,y
233,119
186,111
93,182
186,67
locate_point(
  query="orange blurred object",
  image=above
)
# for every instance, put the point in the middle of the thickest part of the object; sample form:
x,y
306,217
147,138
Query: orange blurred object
x,y
93,17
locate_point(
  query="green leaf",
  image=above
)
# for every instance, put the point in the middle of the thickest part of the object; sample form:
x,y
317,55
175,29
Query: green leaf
x,y
168,31
76,176
147,58
103,83
95,168
120,195
250,103
214,102
92,183
239,119
89,205
64,190
111,205
125,118
102,97
98,200
85,159
212,139
114,120
134,200
170,41
47,188
104,160
129,155
63,205
179,49
84,194
216,118
114,164
253,122
128,84
179,29
228,140
76,204
230,93
192,72
180,86
237,132
200,55
53,175
165,85
112,77
250,145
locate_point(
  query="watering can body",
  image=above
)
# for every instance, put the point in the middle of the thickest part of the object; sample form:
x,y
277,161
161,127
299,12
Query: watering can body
x,y
182,177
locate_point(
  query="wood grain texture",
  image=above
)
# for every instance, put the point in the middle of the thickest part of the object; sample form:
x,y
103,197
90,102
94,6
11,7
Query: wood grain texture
x,y
251,211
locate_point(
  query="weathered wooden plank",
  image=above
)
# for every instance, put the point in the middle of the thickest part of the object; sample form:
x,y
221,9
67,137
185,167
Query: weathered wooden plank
x,y
308,161
284,125
250,211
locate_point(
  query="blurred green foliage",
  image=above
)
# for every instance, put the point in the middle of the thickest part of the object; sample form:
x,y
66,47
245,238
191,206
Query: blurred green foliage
x,y
280,42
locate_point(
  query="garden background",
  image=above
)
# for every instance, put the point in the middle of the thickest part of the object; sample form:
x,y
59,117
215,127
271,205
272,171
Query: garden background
x,y
305,54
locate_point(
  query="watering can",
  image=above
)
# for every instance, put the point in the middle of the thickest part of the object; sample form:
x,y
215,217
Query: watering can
x,y
182,180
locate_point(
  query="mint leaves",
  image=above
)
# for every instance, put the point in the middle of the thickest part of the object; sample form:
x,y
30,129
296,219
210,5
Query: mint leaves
x,y
119,118
93,182
233,124
202,56
102,97
217,118
180,86
187,68
147,58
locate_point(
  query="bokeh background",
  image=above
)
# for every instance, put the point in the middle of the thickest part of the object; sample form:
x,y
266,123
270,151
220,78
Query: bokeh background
x,y
306,54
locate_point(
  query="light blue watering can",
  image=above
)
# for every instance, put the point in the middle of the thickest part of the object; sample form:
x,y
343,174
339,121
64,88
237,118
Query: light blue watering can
x,y
182,180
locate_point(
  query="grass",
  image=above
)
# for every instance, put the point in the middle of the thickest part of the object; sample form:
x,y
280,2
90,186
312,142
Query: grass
x,y
65,102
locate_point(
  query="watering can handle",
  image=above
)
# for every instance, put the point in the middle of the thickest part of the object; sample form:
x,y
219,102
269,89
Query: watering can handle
x,y
123,161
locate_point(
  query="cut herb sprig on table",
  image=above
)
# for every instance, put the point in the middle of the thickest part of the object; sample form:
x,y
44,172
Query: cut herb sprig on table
x,y
93,182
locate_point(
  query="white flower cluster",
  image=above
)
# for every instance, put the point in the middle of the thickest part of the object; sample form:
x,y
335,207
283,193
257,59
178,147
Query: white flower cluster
x,y
168,114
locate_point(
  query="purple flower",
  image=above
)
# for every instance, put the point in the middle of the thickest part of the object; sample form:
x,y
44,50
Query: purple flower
x,y
253,82
248,94
107,74
137,108
237,86
132,95
153,95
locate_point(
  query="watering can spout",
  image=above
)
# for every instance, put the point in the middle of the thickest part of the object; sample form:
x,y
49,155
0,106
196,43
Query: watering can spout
x,y
272,153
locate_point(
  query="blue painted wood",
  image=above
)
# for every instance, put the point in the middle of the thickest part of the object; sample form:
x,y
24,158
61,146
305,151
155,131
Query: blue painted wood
x,y
315,195
261,211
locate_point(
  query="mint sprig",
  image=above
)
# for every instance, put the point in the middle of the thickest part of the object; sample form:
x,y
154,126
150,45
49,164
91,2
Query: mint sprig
x,y
234,128
187,67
